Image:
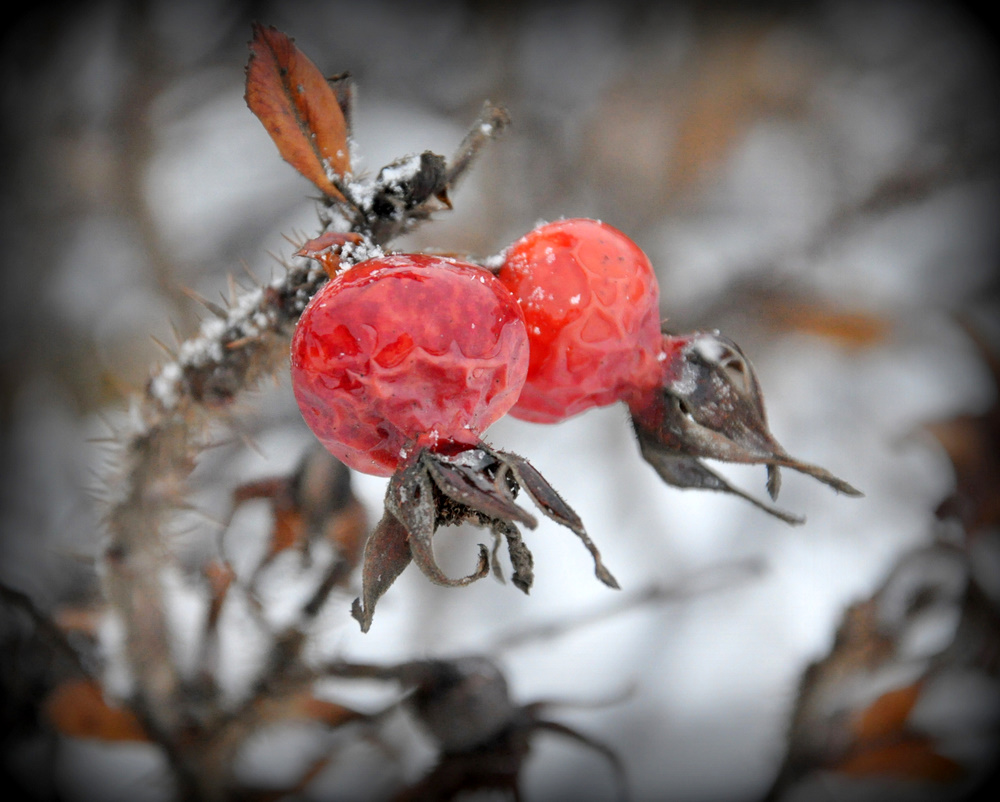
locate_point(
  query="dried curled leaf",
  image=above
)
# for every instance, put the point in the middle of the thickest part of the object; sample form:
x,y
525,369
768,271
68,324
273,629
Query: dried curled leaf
x,y
912,757
298,108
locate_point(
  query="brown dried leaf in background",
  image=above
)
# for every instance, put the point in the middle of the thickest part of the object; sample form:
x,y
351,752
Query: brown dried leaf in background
x,y
83,620
219,576
972,443
885,747
303,704
887,714
298,108
845,327
78,708
316,501
306,705
910,758
869,711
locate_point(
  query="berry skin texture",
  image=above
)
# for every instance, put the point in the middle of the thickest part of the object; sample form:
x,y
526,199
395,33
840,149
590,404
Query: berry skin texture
x,y
591,305
404,351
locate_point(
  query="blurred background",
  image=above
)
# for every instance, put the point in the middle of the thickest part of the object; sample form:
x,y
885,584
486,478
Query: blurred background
x,y
818,181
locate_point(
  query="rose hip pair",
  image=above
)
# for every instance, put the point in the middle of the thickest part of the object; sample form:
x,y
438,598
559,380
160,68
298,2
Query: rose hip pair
x,y
401,362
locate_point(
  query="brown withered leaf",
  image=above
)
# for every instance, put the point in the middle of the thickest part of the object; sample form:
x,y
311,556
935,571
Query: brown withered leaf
x,y
912,757
299,109
84,620
847,327
303,704
78,708
972,443
887,714
854,715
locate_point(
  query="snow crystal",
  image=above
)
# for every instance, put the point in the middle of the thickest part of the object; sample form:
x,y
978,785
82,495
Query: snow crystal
x,y
164,386
400,173
709,348
354,253
495,261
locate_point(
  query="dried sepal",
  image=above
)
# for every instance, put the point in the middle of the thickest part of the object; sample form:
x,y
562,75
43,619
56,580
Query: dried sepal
x,y
476,485
386,554
521,559
552,504
411,498
299,109
466,479
326,248
688,472
710,406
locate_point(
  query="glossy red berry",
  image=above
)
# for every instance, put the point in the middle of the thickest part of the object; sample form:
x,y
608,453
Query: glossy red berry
x,y
591,305
407,350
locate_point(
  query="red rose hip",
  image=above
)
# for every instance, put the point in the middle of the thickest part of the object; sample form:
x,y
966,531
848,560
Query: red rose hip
x,y
404,350
591,305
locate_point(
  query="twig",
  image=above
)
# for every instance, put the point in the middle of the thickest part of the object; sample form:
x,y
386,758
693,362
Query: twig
x,y
708,580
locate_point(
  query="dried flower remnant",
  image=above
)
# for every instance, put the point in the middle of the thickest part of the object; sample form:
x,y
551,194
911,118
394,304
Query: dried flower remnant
x,y
477,486
709,405
482,736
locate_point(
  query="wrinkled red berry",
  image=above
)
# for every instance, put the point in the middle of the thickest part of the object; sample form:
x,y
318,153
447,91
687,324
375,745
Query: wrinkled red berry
x,y
591,305
407,350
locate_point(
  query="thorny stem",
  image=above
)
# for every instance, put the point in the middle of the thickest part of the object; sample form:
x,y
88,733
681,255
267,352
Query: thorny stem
x,y
169,428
